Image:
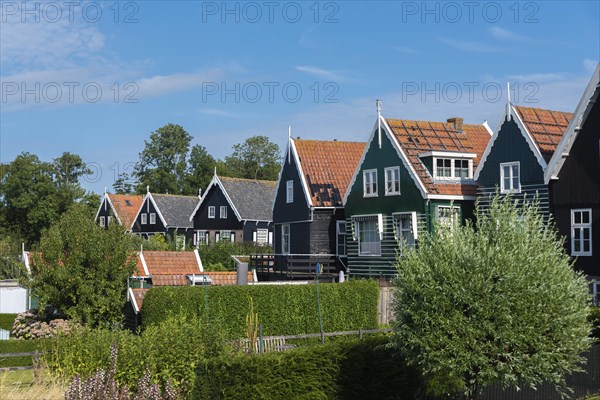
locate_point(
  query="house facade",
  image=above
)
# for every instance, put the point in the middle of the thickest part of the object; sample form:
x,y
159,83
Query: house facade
x,y
573,179
118,208
166,214
235,210
411,176
308,212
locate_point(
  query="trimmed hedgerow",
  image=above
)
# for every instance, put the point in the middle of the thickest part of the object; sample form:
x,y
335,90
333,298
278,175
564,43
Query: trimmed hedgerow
x,y
353,369
282,309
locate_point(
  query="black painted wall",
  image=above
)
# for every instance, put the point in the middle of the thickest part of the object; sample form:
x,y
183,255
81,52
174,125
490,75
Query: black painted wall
x,y
299,209
216,198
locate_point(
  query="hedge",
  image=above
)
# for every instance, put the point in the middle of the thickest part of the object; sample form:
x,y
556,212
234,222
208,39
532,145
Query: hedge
x,y
6,321
354,369
282,309
21,346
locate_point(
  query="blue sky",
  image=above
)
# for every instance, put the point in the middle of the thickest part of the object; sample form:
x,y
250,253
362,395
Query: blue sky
x,y
97,78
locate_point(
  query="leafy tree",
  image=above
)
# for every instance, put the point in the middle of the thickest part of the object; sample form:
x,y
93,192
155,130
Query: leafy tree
x,y
495,302
11,267
256,158
200,169
83,269
122,184
163,164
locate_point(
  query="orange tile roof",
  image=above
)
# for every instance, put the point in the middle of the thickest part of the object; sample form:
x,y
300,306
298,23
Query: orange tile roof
x,y
416,137
545,126
126,207
226,277
328,168
170,280
138,297
168,263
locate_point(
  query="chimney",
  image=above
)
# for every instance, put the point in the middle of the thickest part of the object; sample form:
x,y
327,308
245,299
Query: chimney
x,y
457,123
335,140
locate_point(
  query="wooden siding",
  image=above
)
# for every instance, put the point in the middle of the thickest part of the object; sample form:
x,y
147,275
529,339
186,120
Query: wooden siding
x,y
298,210
251,226
216,198
578,186
107,211
510,146
323,230
148,228
299,238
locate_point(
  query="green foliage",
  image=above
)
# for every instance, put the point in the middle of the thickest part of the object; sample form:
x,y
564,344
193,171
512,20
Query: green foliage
x,y
6,322
83,269
496,302
352,369
200,169
256,158
283,309
221,252
594,318
21,346
162,164
123,184
11,266
170,351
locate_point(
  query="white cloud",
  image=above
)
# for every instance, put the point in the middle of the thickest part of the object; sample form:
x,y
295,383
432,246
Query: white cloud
x,y
468,45
217,112
590,65
538,77
320,72
504,34
163,84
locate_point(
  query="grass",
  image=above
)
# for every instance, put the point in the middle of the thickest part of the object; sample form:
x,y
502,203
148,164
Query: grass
x,y
20,385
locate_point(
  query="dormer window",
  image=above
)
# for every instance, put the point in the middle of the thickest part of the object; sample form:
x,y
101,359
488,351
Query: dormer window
x,y
443,167
461,169
448,165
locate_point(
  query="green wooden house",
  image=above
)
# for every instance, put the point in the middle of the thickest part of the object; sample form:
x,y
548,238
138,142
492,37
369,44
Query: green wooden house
x,y
410,174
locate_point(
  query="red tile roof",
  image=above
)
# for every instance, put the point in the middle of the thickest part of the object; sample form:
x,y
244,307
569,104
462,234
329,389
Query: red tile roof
x,y
545,126
126,207
226,277
416,137
328,168
138,297
168,263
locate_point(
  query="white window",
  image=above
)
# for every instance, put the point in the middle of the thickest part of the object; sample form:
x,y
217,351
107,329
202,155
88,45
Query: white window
x,y
223,212
211,211
448,216
261,236
443,167
201,237
144,218
180,242
368,232
340,227
370,183
289,192
223,236
285,239
392,181
152,218
102,223
108,220
581,232
510,177
461,169
405,227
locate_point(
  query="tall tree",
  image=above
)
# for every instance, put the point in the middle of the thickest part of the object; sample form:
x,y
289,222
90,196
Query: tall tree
x,y
256,158
200,169
68,169
122,184
83,269
497,302
163,162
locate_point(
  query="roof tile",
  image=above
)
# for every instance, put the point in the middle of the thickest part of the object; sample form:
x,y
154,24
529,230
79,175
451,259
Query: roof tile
x,y
126,207
545,126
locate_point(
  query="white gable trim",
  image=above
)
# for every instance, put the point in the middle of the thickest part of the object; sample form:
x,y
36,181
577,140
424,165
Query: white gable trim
x,y
198,260
106,198
138,211
536,151
132,300
450,197
143,260
216,182
488,148
584,107
301,173
148,197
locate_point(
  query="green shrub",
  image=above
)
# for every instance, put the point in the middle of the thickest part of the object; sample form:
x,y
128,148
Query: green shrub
x,y
353,369
282,309
221,252
21,346
594,318
170,351
6,321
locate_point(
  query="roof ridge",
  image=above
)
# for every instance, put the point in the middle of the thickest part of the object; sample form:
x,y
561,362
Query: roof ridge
x,y
543,109
328,141
429,122
246,179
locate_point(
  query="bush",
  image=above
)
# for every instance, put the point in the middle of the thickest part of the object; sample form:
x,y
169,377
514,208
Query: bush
x,y
33,325
282,309
6,321
221,252
595,320
18,346
352,369
169,351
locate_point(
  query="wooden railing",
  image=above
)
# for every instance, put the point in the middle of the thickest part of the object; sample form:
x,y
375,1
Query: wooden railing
x,y
296,266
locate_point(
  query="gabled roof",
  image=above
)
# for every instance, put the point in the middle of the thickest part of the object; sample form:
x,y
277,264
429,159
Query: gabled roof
x,y
124,206
217,278
153,263
416,137
136,296
326,168
546,127
249,199
174,210
587,101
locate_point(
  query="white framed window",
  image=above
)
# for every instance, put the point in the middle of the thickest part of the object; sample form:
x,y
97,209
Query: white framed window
x,y
102,223
211,211
581,232
144,218
261,236
223,212
201,237
462,169
152,218
368,231
180,242
225,235
443,167
405,227
108,220
285,239
370,183
510,179
392,181
340,235
289,192
448,216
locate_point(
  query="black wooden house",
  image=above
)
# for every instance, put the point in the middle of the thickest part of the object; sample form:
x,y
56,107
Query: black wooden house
x,y
236,210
